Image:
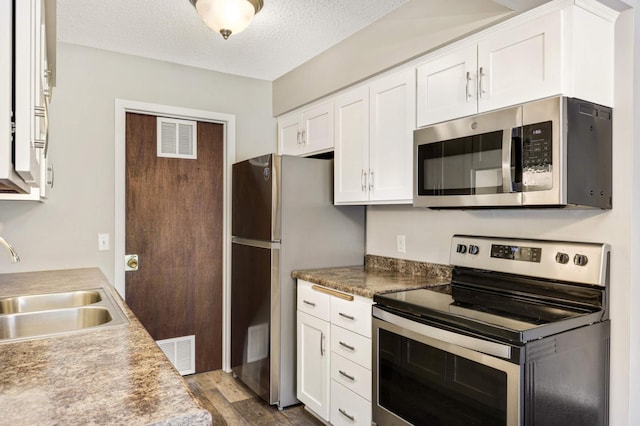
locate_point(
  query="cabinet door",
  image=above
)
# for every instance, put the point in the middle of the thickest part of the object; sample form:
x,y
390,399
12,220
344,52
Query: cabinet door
x,y
349,408
313,364
290,134
351,160
521,63
317,128
447,86
391,138
27,142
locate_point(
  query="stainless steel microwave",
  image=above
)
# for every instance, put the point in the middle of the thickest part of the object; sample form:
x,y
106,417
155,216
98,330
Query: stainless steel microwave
x,y
554,152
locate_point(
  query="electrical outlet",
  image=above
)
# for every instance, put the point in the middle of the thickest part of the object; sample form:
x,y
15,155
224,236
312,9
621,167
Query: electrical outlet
x,y
401,243
103,242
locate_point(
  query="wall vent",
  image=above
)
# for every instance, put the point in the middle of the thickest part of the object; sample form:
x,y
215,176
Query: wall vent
x,y
177,138
181,351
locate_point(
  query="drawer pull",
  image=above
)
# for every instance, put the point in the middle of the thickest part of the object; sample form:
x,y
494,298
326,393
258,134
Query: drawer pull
x,y
306,302
344,413
349,317
332,292
322,344
343,374
344,345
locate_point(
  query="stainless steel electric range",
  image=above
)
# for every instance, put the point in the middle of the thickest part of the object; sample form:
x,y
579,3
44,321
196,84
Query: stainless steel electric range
x,y
519,337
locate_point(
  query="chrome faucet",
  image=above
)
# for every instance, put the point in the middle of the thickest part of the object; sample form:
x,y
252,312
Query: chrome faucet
x,y
14,255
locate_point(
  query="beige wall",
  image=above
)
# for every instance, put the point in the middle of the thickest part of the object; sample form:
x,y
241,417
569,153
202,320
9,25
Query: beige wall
x,y
62,233
411,30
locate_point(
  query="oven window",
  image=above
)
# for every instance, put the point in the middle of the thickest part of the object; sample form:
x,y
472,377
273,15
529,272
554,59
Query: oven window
x,y
425,385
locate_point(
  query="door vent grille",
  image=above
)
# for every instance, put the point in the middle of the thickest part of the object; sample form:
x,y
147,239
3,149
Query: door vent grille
x,y
177,138
181,351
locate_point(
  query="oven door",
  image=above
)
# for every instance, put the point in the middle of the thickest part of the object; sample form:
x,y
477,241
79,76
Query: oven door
x,y
470,162
427,375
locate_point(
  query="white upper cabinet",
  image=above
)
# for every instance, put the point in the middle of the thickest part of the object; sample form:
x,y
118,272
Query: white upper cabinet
x,y
447,86
373,142
392,111
520,64
545,52
351,158
306,132
26,177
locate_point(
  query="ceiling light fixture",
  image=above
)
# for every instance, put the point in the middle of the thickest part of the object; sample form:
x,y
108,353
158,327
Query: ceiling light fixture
x,y
227,16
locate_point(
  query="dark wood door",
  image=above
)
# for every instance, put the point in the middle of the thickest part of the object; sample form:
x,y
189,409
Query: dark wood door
x,y
174,224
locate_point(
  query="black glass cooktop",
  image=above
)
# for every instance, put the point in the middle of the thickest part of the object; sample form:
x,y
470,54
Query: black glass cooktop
x,y
503,316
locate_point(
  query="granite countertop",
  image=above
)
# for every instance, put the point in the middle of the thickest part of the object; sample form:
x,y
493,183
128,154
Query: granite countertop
x,y
378,275
114,375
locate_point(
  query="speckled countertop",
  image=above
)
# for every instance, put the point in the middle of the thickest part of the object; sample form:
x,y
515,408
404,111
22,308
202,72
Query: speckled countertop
x,y
113,375
378,275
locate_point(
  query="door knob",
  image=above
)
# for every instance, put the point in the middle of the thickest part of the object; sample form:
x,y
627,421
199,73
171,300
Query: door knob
x,y
131,262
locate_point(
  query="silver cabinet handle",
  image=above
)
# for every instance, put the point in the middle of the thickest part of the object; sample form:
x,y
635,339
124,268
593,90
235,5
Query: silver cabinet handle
x,y
344,413
481,82
467,86
344,345
349,317
306,302
363,180
321,343
298,137
304,137
343,374
51,177
371,181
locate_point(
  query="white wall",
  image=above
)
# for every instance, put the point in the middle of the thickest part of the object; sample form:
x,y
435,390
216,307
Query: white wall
x,y
62,233
428,232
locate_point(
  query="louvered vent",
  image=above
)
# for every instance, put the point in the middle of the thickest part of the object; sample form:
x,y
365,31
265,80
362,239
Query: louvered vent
x,y
181,351
177,138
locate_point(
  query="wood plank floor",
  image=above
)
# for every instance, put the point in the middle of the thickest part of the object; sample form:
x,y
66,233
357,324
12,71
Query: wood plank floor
x,y
230,402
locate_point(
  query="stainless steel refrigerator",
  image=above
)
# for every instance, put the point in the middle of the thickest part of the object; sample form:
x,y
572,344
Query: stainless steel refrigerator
x,y
283,218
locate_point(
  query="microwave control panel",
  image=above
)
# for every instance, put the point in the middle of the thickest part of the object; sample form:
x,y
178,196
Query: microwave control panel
x,y
536,145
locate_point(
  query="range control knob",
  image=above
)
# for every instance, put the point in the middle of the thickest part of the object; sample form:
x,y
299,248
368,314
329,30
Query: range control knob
x,y
461,248
562,258
473,249
580,259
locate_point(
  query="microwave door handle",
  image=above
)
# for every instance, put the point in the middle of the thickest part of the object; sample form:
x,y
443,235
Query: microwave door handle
x,y
507,144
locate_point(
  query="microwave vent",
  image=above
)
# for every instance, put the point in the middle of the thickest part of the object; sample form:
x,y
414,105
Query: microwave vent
x,y
177,138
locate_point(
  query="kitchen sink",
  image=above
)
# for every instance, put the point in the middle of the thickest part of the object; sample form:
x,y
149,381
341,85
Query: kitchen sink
x,y
25,317
44,302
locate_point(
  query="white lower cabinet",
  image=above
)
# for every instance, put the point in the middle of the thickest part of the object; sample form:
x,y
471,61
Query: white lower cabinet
x,y
334,354
348,408
313,360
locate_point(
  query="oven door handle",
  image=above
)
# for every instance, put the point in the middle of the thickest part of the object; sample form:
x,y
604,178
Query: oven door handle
x,y
473,343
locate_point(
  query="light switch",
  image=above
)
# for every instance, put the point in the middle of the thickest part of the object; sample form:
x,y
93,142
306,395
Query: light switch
x,y
103,242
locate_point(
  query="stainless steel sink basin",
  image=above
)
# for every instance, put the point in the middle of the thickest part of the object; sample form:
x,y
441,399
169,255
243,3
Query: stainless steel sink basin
x,y
42,315
17,326
43,302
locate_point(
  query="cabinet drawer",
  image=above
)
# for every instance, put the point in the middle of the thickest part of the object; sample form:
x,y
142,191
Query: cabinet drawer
x,y
353,315
353,376
350,345
348,408
313,302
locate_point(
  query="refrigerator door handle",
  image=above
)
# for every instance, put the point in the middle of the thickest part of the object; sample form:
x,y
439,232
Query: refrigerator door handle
x,y
256,243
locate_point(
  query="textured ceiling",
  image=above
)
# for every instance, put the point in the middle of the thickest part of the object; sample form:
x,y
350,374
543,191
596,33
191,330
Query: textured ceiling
x,y
285,34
